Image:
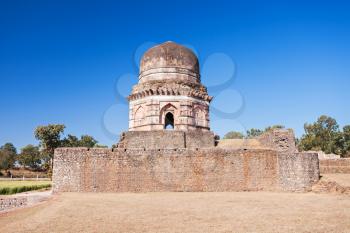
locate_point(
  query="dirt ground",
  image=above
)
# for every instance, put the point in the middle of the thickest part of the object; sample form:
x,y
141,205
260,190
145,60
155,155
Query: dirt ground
x,y
341,179
184,212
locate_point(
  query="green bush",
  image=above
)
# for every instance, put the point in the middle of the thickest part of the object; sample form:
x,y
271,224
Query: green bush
x,y
20,189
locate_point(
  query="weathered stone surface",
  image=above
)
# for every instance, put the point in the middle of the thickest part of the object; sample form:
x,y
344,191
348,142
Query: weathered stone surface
x,y
166,139
322,155
335,165
279,139
169,83
133,170
169,57
7,203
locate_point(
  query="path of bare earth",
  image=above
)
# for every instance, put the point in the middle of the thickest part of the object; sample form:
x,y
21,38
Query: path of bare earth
x,y
183,212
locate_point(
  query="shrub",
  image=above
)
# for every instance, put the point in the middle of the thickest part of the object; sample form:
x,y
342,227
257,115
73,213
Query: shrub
x,y
20,189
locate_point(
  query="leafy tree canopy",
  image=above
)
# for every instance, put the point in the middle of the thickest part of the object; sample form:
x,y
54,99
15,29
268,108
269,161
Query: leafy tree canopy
x,y
87,141
8,154
73,141
31,157
49,137
254,133
257,132
324,134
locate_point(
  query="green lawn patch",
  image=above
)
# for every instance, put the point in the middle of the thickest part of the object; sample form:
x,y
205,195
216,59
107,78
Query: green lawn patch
x,y
12,187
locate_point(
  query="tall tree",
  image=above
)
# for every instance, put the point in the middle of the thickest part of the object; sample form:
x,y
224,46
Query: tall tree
x,y
346,138
4,161
50,138
70,141
87,141
322,135
73,141
8,156
30,156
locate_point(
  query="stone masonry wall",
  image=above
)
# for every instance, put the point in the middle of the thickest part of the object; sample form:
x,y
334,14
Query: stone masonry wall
x,y
199,139
296,170
279,139
166,139
335,165
215,169
7,203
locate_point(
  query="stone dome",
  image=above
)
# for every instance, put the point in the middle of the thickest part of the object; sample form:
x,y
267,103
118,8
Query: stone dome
x,y
169,58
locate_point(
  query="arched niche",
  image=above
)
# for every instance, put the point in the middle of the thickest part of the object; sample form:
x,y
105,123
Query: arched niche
x,y
139,116
168,116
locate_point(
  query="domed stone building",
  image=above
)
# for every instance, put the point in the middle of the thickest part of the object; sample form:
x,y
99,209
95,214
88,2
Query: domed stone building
x,y
169,94
169,107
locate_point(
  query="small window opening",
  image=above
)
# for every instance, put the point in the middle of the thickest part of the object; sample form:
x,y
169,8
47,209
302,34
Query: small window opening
x,y
169,121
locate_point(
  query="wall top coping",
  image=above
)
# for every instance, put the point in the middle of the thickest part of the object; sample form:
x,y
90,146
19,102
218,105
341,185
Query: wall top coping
x,y
84,149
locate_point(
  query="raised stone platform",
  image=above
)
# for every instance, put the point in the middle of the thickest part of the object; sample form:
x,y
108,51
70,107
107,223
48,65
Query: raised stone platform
x,y
215,169
166,139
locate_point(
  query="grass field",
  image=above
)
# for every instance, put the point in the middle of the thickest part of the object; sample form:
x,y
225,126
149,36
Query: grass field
x,y
12,187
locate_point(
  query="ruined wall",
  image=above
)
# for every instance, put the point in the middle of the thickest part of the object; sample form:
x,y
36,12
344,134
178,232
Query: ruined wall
x,y
335,166
215,169
7,203
279,139
298,171
166,139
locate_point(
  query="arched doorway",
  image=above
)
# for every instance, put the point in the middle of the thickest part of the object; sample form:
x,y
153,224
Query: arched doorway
x,y
169,121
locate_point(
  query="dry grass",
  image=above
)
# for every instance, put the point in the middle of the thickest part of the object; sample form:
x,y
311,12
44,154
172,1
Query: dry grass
x,y
184,212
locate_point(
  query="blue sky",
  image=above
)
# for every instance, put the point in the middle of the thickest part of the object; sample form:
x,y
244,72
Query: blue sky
x,y
71,62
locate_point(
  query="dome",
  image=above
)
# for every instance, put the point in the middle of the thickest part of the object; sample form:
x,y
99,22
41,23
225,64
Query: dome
x,y
169,57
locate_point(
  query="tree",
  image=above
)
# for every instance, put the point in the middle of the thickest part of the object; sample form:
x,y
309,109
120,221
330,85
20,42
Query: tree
x,y
4,161
346,138
30,156
254,133
73,141
87,141
322,135
70,141
233,135
8,154
50,138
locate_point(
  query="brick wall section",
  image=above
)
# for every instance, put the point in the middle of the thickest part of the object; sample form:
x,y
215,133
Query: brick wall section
x,y
199,139
12,202
298,171
279,139
166,139
335,165
215,169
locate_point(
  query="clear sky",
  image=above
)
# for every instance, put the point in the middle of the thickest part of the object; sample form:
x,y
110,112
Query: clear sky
x,y
71,62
